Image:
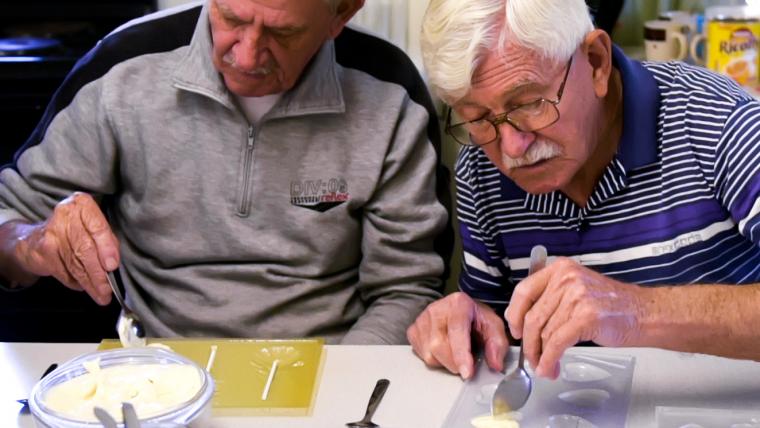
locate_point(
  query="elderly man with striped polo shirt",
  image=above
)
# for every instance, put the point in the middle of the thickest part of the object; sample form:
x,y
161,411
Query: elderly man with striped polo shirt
x,y
641,179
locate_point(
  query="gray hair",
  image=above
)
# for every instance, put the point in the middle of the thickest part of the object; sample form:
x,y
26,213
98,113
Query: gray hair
x,y
457,34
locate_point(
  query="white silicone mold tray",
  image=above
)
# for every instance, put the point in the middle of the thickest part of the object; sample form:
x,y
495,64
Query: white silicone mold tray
x,y
692,417
592,392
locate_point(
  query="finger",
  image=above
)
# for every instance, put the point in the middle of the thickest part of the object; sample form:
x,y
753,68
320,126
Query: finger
x,y
566,336
490,328
62,274
439,342
525,294
459,327
75,271
557,371
107,246
543,312
413,336
531,339
562,315
83,264
424,342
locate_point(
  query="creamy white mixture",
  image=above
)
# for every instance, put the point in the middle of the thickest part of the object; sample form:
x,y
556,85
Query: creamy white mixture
x,y
488,421
151,388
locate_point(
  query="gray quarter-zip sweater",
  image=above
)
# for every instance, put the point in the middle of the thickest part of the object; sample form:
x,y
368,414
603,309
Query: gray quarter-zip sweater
x,y
318,221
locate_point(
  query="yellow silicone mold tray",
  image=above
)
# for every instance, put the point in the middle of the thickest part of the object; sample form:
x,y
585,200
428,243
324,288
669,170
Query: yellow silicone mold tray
x,y
241,369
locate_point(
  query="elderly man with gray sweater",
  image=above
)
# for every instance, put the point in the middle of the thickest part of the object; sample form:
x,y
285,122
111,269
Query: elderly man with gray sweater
x,y
246,171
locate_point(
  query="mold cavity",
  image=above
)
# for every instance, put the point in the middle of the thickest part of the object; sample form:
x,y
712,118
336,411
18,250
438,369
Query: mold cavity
x,y
585,397
509,420
691,426
485,395
568,421
583,372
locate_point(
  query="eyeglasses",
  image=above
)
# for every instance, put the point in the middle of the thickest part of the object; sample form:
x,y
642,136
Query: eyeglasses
x,y
528,117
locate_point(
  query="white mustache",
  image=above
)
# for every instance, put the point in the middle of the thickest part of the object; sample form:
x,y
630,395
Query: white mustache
x,y
229,59
540,150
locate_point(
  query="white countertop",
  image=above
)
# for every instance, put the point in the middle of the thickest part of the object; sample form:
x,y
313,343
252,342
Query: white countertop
x,y
419,397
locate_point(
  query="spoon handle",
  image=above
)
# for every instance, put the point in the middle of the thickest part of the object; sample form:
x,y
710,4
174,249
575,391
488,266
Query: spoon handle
x,y
105,418
537,259
115,288
374,399
537,262
130,415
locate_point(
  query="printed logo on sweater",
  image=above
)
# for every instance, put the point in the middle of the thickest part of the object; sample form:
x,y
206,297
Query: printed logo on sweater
x,y
319,195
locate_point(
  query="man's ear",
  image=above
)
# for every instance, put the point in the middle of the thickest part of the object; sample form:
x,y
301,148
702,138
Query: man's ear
x,y
597,46
345,11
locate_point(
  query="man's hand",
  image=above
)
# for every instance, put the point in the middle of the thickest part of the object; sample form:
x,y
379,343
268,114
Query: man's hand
x,y
566,303
441,335
75,245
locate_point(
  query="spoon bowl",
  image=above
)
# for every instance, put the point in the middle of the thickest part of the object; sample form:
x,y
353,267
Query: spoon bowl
x,y
128,327
374,401
362,424
514,389
512,392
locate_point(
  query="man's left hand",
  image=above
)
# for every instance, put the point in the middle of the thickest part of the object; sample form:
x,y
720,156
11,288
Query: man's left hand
x,y
566,303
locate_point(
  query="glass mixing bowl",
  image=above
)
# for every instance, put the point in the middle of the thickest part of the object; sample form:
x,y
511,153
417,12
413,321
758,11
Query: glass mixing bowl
x,y
195,412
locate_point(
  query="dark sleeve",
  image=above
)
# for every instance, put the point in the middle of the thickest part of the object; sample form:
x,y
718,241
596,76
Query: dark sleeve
x,y
160,34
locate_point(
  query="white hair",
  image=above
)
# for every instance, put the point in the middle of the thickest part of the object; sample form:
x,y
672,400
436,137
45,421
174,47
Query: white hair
x,y
457,34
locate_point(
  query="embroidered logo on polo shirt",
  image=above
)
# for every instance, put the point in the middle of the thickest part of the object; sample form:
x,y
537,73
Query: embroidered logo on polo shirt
x,y
319,195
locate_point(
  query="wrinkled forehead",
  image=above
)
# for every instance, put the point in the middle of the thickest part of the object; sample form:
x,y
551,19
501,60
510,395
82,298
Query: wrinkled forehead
x,y
508,71
285,9
510,62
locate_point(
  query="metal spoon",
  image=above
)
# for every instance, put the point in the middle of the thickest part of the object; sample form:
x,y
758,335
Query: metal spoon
x,y
374,401
513,391
130,329
130,415
104,417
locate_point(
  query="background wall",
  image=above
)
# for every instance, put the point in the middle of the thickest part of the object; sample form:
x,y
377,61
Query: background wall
x,y
629,31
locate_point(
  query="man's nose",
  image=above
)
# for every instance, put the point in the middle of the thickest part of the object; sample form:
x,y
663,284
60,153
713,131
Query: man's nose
x,y
514,143
250,47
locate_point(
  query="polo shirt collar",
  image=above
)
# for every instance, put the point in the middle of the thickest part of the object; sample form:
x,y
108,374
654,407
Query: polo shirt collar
x,y
641,104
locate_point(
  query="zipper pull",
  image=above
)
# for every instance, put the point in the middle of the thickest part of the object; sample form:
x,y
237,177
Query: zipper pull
x,y
250,136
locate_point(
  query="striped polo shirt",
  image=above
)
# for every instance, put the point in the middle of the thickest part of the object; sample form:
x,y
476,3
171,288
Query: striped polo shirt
x,y
678,204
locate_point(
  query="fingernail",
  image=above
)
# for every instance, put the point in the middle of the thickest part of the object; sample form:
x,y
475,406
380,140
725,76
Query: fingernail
x,y
540,372
111,263
464,371
514,332
105,298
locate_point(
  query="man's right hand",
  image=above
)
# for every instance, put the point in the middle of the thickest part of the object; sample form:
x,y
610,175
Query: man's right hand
x,y
75,245
442,334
